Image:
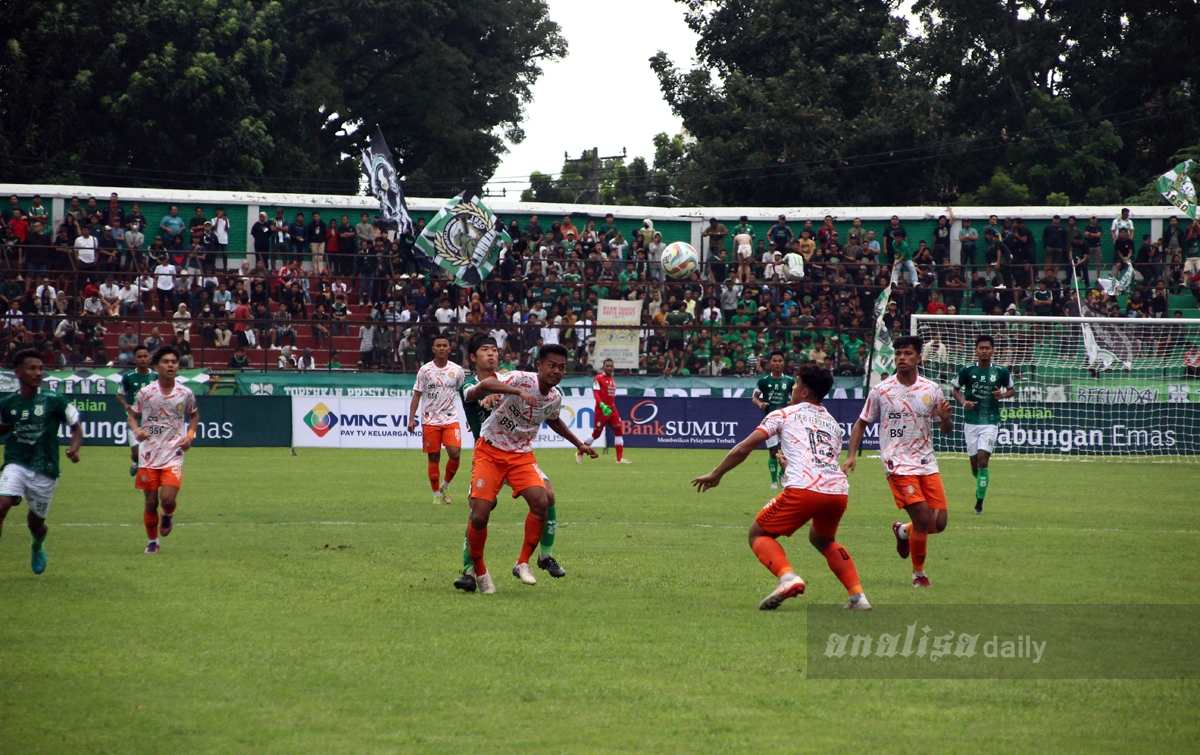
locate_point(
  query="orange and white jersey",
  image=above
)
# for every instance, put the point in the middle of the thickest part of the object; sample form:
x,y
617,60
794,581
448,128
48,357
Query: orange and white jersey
x,y
906,414
439,393
165,417
811,442
514,424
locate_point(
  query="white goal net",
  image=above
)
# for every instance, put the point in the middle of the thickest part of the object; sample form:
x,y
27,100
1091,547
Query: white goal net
x,y
1085,387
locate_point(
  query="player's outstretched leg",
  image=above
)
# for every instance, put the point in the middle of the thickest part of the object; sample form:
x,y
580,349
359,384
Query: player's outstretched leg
x,y
167,495
842,566
133,458
535,522
545,559
771,554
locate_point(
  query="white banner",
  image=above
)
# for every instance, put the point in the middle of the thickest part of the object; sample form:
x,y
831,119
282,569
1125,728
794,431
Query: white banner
x,y
618,344
343,422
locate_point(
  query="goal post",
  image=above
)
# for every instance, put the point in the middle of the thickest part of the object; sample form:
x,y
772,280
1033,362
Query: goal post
x,y
1085,387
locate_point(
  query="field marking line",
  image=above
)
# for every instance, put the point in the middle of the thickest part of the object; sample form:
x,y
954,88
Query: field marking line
x,y
995,528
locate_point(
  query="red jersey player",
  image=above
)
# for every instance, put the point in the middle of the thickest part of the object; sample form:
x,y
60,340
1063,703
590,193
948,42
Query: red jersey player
x,y
814,488
906,406
606,415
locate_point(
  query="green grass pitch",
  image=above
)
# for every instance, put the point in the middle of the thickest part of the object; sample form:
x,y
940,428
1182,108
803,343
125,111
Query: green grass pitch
x,y
304,605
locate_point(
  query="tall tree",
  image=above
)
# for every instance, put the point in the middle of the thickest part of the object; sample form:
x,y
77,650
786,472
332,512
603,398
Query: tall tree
x,y
1089,98
278,95
801,102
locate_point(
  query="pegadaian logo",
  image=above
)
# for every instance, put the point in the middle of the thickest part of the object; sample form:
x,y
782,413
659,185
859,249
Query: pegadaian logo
x,y
320,419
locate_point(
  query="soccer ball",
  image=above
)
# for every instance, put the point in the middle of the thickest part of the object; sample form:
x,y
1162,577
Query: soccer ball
x,y
680,260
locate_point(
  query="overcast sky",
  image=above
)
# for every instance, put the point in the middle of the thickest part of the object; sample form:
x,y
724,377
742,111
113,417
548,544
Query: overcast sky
x,y
607,67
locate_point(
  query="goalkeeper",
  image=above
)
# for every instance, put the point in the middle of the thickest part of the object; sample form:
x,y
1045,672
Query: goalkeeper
x,y
605,389
979,388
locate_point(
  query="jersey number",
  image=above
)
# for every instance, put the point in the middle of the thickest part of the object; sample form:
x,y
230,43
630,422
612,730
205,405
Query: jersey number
x,y
824,454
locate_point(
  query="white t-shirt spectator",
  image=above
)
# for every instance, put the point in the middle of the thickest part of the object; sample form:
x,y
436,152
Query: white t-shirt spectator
x,y
128,293
444,315
93,305
109,289
501,337
42,288
85,248
164,277
221,229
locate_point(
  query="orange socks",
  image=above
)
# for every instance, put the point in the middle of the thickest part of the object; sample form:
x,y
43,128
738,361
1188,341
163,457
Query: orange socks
x,y
842,567
451,468
434,475
917,542
533,535
151,520
772,555
475,542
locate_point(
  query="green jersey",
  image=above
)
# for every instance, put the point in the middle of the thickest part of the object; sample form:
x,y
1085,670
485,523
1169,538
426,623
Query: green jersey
x,y
776,391
132,382
33,430
476,414
976,384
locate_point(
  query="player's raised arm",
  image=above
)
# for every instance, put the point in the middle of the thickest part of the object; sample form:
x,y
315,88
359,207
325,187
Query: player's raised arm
x,y
736,456
560,427
493,385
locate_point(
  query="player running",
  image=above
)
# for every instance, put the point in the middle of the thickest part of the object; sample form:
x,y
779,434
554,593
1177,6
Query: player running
x,y
438,382
905,405
772,393
979,388
485,355
132,382
168,419
815,488
504,453
31,421
605,389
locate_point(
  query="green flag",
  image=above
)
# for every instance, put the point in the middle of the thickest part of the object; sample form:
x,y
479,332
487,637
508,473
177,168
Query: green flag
x,y
1177,186
463,239
883,359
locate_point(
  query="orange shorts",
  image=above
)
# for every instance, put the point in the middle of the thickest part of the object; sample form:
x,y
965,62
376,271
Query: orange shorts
x,y
433,437
491,467
794,507
153,479
910,489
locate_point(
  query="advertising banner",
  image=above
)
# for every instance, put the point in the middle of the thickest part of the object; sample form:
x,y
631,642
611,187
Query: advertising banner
x,y
712,422
618,344
224,421
346,422
1081,429
381,384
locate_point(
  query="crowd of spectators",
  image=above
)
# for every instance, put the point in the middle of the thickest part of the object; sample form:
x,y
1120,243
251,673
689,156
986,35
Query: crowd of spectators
x,y
107,268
